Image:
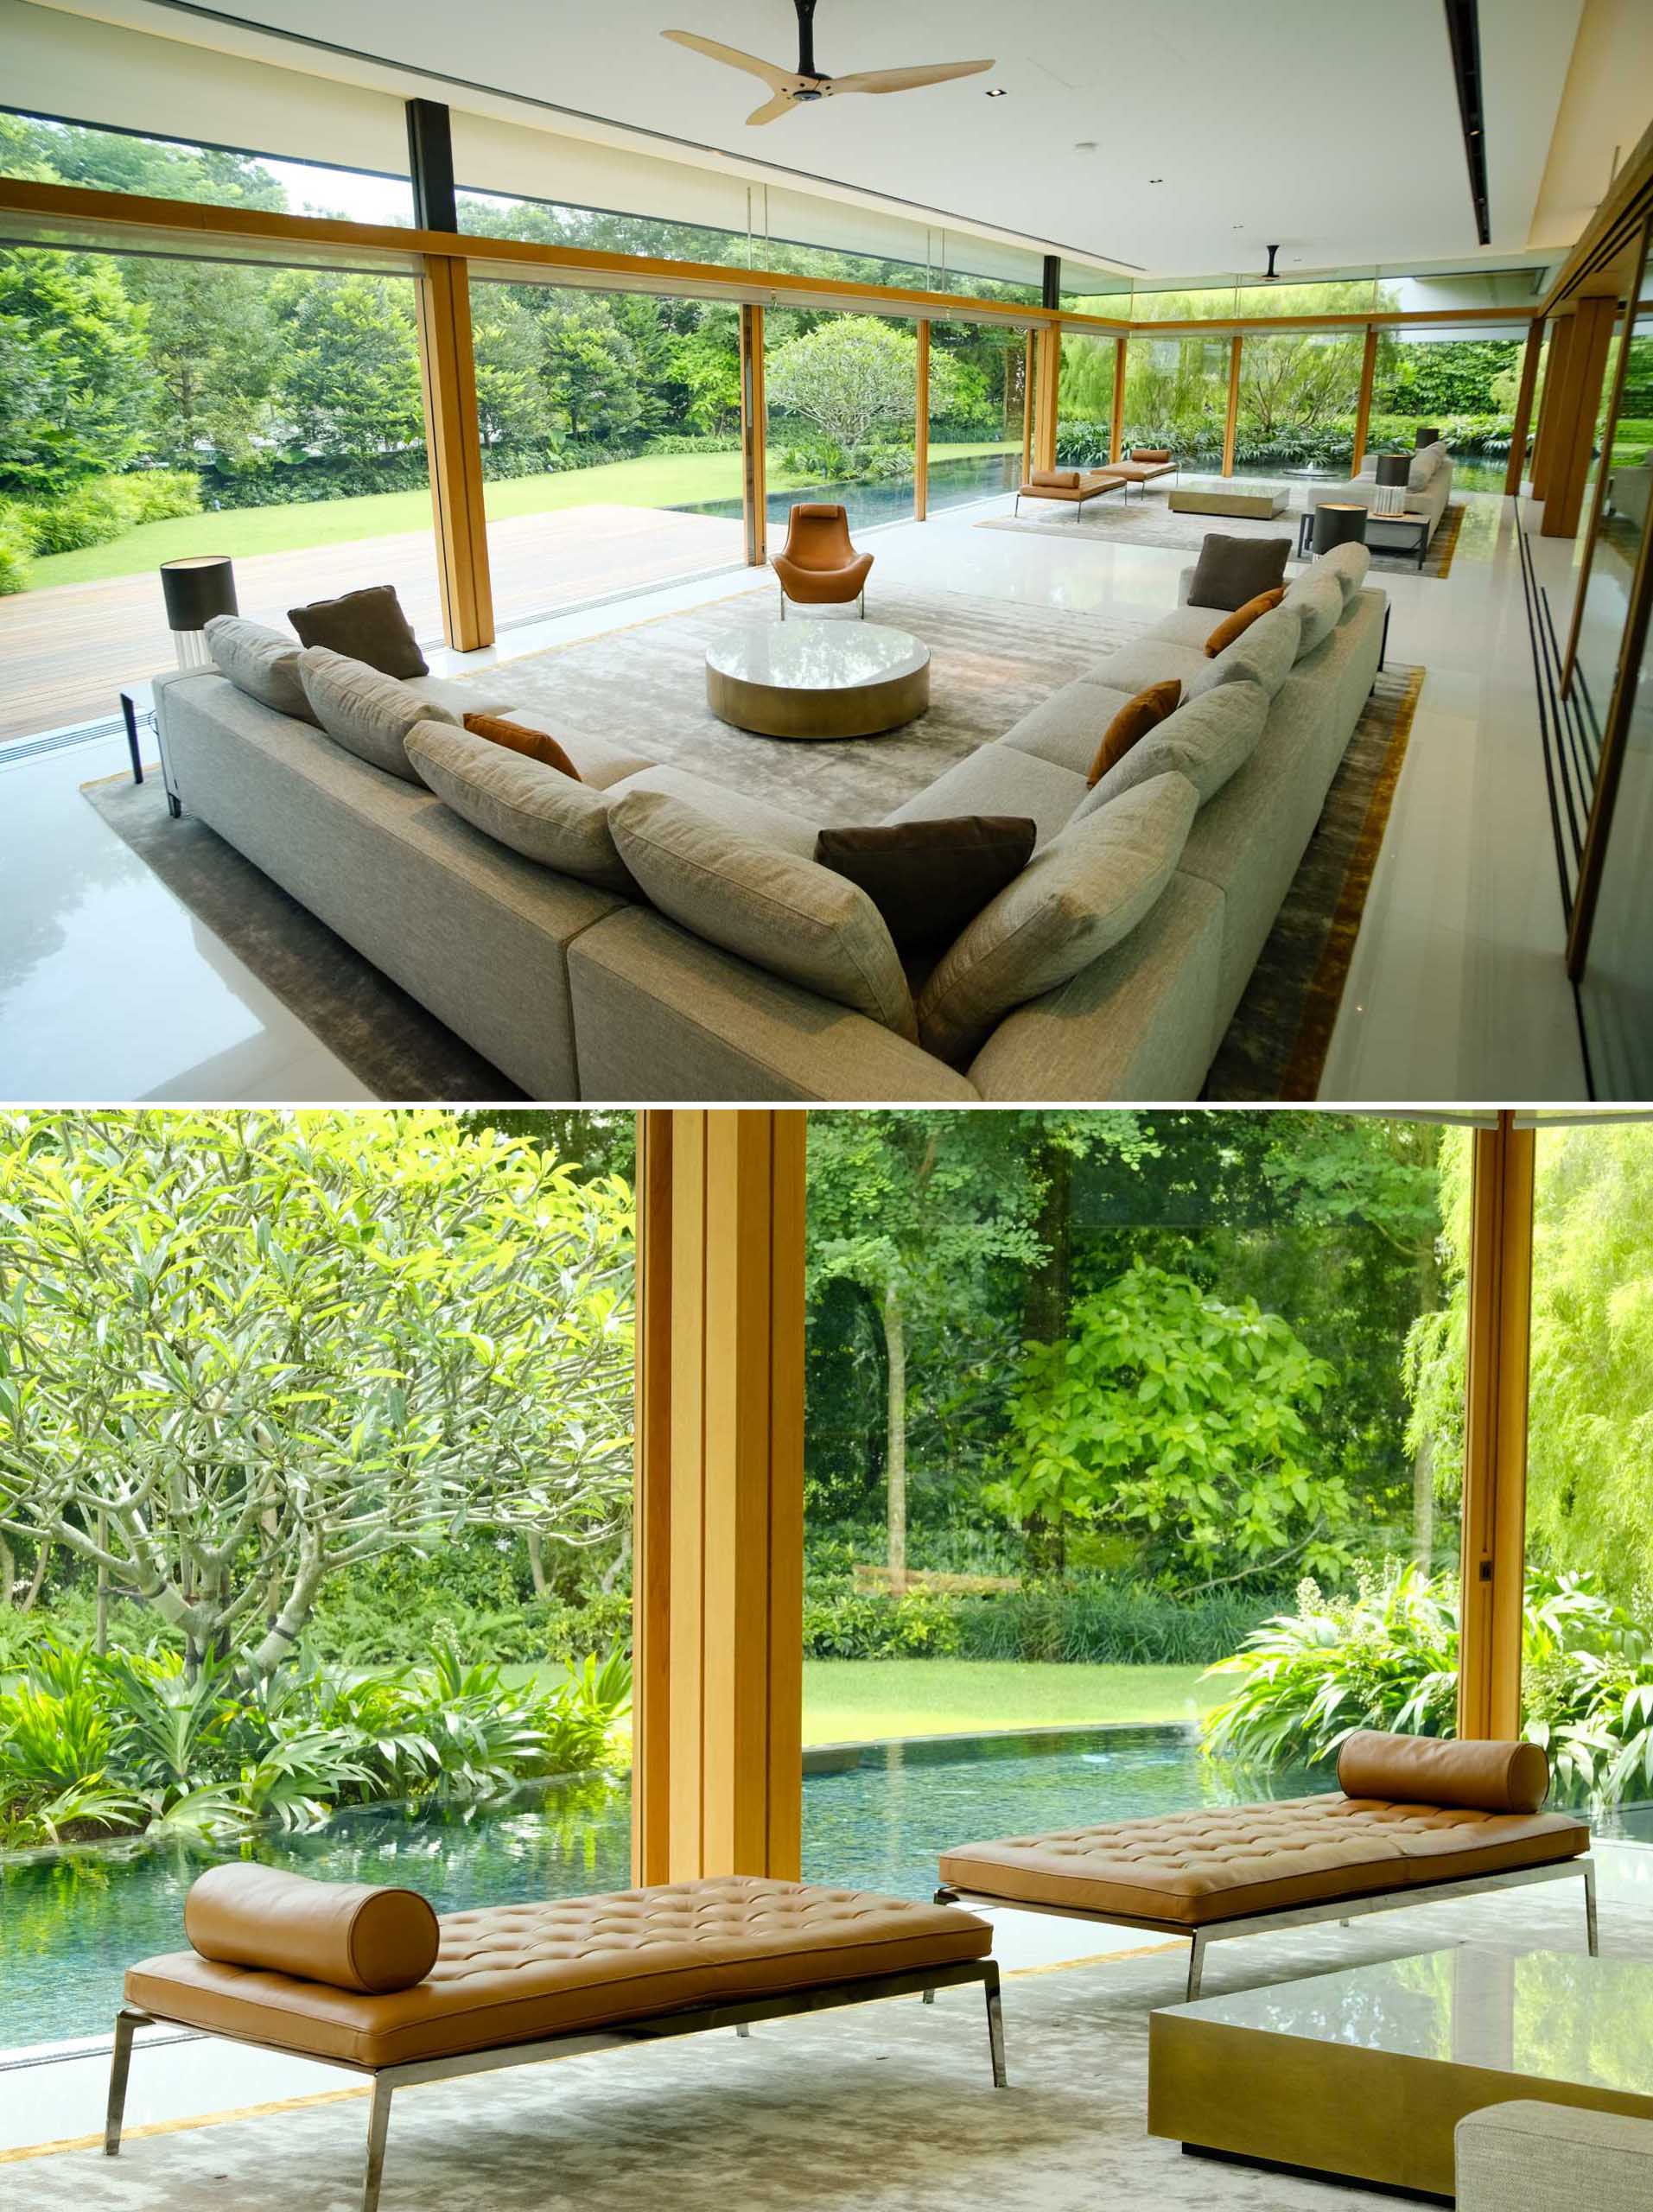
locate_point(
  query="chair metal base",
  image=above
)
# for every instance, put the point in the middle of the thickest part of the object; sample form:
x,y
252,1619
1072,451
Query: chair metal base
x,y
1342,1909
860,603
387,2080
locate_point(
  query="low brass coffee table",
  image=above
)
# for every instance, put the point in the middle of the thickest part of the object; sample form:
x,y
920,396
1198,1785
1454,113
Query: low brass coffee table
x,y
1363,2075
817,678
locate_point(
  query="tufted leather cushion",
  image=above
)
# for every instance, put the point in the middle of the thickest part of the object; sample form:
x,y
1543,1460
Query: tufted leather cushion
x,y
515,1973
1224,1862
1489,1775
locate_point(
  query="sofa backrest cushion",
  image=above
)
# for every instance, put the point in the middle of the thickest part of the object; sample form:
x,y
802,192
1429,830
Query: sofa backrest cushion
x,y
1088,888
1264,653
260,662
1426,464
770,906
521,803
1230,570
1349,564
368,713
1208,740
1318,599
1482,1775
367,625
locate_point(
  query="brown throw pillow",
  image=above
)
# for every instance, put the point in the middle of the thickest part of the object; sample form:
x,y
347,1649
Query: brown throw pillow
x,y
1230,570
1236,625
1134,722
539,744
930,880
366,625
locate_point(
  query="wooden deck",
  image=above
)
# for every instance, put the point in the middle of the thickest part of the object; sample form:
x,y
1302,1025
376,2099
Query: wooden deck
x,y
66,653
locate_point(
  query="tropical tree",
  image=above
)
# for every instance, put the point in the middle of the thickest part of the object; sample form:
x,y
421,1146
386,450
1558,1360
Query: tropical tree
x,y
854,377
75,388
349,377
241,1352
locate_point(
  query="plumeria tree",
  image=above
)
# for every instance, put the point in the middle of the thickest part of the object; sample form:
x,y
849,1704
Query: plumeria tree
x,y
241,1352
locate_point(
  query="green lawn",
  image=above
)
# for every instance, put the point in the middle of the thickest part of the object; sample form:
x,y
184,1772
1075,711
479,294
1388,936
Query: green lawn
x,y
653,480
857,1700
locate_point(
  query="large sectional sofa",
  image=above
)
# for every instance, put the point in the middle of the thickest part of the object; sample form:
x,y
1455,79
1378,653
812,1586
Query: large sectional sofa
x,y
1428,489
587,989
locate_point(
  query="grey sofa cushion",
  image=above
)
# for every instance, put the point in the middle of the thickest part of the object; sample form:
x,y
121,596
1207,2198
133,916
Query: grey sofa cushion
x,y
1318,599
1088,888
601,762
1264,653
260,662
1000,780
368,713
1349,564
752,817
779,911
536,810
1206,740
1232,571
462,696
1427,463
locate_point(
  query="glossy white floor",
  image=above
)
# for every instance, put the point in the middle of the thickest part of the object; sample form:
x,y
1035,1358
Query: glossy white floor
x,y
110,990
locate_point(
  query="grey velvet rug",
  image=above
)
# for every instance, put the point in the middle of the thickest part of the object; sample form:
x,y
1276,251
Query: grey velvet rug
x,y
1152,521
881,2108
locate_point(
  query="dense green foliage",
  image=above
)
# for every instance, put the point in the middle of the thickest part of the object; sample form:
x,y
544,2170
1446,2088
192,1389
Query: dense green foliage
x,y
1387,1657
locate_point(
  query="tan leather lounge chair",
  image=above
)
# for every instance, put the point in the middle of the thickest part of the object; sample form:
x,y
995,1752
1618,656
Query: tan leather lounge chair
x,y
372,1980
818,566
1145,464
1072,487
1414,1818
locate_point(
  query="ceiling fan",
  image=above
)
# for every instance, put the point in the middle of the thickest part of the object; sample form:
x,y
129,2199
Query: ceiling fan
x,y
790,88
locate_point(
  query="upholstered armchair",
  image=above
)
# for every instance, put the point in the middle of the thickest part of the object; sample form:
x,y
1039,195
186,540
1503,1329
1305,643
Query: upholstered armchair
x,y
818,566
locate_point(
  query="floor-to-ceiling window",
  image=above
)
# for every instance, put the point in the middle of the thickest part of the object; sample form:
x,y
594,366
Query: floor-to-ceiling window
x,y
842,399
1097,1403
1084,410
977,405
1176,395
1299,392
1463,386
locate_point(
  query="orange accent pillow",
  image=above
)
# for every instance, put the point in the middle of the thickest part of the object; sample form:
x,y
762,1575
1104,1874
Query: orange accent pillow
x,y
537,744
1236,625
1133,722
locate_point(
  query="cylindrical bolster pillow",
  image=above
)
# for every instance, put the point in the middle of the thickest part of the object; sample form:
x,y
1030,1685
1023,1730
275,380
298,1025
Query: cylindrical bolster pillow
x,y
1497,1777
346,1934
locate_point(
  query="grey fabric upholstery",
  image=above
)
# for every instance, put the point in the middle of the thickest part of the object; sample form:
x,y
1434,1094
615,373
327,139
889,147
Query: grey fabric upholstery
x,y
752,817
1317,598
477,934
1528,2157
369,714
1066,728
1207,740
260,662
1430,498
1000,780
520,803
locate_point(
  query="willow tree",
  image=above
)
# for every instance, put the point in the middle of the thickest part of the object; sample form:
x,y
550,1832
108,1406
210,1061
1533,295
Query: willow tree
x,y
242,1352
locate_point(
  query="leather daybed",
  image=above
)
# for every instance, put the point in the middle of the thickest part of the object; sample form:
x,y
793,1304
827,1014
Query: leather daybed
x,y
1414,1818
1073,487
372,1980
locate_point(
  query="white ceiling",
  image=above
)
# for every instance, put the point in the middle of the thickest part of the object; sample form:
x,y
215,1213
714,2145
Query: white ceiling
x,y
1329,125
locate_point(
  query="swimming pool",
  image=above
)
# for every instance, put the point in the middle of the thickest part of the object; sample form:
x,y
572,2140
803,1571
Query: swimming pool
x,y
876,1817
951,484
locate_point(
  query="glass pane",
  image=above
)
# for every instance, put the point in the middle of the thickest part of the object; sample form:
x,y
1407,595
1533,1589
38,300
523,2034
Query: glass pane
x,y
550,222
977,403
1299,392
160,407
1464,387
1624,449
610,442
1176,395
1616,989
1588,1673
441,1541
1084,410
1095,1402
842,392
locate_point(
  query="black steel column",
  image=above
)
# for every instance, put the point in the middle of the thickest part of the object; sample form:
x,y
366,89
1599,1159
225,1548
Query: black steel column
x,y
430,164
1053,281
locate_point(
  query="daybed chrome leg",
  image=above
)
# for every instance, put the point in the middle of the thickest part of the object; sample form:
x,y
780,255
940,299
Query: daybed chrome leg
x,y
743,2029
127,2023
1590,1930
1196,1964
378,2129
995,2030
929,1996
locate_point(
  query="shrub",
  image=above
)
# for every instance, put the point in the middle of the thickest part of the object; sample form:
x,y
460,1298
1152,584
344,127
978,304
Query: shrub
x,y
160,495
90,515
701,442
17,544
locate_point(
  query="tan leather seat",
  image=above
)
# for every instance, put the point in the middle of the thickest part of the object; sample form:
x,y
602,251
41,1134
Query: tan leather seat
x,y
516,1973
818,566
1189,1870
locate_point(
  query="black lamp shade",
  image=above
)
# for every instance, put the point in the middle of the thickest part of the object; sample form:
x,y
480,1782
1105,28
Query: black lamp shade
x,y
1392,468
1339,525
1427,438
197,589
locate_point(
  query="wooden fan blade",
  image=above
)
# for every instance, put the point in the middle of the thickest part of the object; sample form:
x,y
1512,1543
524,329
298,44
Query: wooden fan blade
x,y
734,58
781,104
906,80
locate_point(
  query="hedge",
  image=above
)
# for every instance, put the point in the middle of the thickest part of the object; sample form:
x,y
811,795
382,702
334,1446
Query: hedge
x,y
1090,1622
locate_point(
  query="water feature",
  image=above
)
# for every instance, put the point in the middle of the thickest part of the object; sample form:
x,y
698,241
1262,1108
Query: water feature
x,y
868,503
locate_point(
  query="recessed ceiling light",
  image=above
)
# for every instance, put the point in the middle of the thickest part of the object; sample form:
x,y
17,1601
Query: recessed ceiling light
x,y
996,92
1156,180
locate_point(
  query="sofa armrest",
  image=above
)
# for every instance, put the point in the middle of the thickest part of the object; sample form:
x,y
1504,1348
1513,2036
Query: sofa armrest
x,y
1549,2158
660,1014
1185,583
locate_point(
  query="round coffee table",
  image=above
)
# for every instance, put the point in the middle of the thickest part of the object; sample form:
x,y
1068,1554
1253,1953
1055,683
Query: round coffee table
x,y
819,679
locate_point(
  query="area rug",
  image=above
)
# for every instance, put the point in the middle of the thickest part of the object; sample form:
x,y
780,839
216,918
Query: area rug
x,y
881,2108
384,1038
1150,522
1277,1042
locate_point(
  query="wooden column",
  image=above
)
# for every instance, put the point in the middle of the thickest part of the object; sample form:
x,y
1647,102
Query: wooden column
x,y
921,427
1231,421
1047,356
1516,467
1117,428
719,1523
1027,406
755,470
1560,344
1493,1557
1574,415
1363,402
454,446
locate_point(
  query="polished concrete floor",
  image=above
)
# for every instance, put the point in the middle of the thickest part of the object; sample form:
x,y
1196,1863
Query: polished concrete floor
x,y
110,990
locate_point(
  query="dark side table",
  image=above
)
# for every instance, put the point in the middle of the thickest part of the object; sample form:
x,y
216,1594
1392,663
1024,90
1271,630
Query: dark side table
x,y
137,710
